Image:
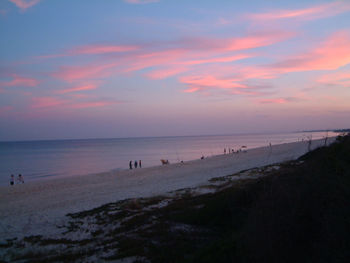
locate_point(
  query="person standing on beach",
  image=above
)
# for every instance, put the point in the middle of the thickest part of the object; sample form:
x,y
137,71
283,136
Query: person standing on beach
x,y
12,180
224,150
135,164
20,179
140,165
130,165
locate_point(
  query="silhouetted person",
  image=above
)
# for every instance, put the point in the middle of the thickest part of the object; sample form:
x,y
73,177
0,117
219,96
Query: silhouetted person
x,y
140,164
135,164
224,150
130,165
12,180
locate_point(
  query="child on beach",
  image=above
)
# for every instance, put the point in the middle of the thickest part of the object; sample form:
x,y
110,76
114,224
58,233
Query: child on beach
x,y
20,179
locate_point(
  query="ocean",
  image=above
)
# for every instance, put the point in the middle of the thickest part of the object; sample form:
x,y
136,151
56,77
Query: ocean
x,y
42,160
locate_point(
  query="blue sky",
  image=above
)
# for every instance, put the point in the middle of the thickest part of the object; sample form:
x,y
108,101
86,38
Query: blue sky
x,y
97,69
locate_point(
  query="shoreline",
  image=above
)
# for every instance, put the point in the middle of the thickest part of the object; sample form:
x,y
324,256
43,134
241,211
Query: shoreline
x,y
48,160
36,207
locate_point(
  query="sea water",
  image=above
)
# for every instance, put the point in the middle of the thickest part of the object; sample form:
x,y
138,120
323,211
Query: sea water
x,y
39,160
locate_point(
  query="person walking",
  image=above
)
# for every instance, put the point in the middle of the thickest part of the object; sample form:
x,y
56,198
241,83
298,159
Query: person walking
x,y
135,164
140,164
130,165
12,180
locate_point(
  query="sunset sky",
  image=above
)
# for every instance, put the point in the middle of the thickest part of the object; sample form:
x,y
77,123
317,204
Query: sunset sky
x,y
114,68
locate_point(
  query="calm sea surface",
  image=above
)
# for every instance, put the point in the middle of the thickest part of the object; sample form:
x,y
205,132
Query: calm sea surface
x,y
39,160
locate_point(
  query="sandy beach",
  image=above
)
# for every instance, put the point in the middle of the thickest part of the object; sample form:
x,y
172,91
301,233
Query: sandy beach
x,y
40,206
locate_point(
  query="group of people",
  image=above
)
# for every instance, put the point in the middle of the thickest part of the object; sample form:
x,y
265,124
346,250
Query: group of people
x,y
243,148
229,150
20,179
139,164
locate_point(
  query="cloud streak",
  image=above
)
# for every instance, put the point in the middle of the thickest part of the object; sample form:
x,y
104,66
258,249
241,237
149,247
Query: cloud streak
x,y
79,88
57,103
341,79
330,55
25,4
74,73
19,81
310,13
166,62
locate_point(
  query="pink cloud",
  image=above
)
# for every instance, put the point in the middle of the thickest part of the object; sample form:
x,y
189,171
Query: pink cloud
x,y
165,73
176,61
80,96
296,98
254,40
261,39
341,79
5,109
252,72
227,79
190,55
315,12
256,73
332,54
219,59
202,81
92,104
240,73
47,102
53,103
168,62
79,88
19,81
191,90
70,74
101,49
274,101
151,59
24,4
185,65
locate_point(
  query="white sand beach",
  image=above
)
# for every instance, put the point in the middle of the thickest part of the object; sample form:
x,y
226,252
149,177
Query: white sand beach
x,y
40,206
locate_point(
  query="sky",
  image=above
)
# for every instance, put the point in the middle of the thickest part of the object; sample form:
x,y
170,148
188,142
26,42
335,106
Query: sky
x,y
139,68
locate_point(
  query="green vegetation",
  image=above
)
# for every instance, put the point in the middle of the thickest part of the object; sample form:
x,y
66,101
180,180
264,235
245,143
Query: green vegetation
x,y
298,213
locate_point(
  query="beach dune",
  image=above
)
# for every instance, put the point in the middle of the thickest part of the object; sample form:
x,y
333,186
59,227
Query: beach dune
x,y
40,206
